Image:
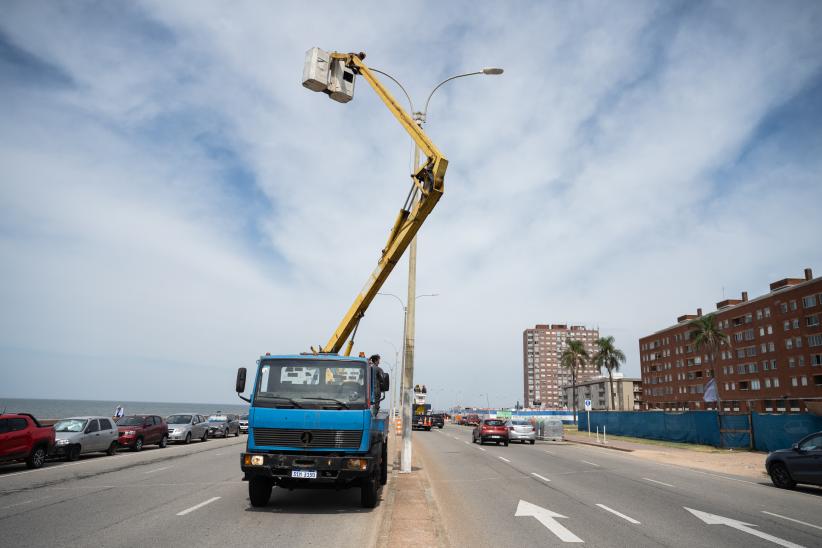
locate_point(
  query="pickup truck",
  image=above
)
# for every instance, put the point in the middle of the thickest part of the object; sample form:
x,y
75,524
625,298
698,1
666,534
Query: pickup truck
x,y
23,439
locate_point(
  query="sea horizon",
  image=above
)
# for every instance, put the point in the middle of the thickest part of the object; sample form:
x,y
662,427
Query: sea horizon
x,y
54,408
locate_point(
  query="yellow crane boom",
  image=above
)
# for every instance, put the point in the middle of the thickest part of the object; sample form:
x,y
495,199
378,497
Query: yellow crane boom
x,y
428,181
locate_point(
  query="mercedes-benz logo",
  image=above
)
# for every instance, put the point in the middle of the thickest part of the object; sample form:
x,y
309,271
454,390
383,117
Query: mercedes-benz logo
x,y
306,437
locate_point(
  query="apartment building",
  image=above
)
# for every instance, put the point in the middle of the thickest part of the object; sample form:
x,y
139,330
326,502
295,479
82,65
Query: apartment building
x,y
543,375
628,393
773,363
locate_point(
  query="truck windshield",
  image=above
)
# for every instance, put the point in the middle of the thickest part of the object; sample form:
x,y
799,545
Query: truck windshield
x,y
311,383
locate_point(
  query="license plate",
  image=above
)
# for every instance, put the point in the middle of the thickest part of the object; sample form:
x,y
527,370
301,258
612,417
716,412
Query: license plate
x,y
310,474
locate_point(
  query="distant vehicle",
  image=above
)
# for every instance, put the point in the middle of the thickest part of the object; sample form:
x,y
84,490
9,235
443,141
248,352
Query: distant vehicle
x,y
137,431
490,430
521,430
79,435
24,439
186,427
438,420
471,420
244,424
223,425
802,463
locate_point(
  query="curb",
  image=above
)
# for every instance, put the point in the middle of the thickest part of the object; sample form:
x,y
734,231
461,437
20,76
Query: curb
x,y
593,444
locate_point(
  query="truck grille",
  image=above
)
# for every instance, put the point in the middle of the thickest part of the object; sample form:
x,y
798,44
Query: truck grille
x,y
290,437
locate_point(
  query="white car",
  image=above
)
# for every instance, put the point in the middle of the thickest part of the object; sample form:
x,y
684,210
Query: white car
x,y
79,435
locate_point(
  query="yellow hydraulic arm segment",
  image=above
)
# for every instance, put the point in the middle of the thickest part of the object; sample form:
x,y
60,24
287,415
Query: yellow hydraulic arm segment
x,y
428,182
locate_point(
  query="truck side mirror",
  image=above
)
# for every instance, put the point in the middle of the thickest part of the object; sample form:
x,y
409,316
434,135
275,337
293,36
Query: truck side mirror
x,y
240,385
385,382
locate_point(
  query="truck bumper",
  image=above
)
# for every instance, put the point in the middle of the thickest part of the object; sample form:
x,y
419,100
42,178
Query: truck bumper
x,y
331,471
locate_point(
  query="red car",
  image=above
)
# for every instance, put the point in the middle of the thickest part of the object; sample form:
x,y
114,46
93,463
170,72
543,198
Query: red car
x,y
137,431
490,430
22,438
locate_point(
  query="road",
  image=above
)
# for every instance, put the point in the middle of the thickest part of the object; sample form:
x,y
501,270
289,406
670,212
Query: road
x,y
183,495
604,498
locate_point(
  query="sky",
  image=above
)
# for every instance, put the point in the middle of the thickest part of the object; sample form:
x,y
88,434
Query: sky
x,y
173,203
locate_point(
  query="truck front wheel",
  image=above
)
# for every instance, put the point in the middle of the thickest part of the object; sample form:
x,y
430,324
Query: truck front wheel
x,y
368,493
259,491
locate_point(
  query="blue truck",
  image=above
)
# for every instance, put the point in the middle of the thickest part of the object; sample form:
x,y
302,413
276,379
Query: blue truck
x,y
315,422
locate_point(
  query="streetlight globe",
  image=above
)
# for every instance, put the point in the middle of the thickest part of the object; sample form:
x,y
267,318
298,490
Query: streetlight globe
x,y
492,71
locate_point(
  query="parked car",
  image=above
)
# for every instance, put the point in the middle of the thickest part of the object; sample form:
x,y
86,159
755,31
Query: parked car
x,y
78,435
244,424
521,430
137,431
24,439
802,463
490,430
186,427
223,425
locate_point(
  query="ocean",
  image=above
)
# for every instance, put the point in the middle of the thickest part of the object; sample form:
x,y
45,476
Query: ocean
x,y
58,409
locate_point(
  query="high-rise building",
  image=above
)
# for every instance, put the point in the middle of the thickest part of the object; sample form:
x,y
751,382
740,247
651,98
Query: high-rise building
x,y
773,362
543,375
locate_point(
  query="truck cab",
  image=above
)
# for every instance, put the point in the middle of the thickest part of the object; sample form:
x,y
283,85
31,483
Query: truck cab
x,y
315,421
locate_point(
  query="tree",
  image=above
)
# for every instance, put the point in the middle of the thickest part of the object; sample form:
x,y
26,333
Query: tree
x,y
706,334
574,357
609,357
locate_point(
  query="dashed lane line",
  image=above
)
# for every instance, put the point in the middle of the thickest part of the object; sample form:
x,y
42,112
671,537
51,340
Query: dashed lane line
x,y
549,452
482,448
197,506
543,478
503,458
791,519
157,470
659,482
591,463
620,514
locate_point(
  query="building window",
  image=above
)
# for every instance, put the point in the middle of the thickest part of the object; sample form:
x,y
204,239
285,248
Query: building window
x,y
795,323
759,314
783,308
752,368
788,343
794,381
812,321
814,340
804,380
770,330
816,359
809,301
797,342
817,380
773,365
767,382
767,312
771,347
791,362
793,305
786,324
775,382
754,384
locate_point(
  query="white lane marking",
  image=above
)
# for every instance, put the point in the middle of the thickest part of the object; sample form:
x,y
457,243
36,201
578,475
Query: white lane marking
x,y
157,470
713,519
543,478
549,452
791,519
17,504
455,437
548,519
620,514
659,482
591,463
482,448
219,454
503,458
466,443
196,506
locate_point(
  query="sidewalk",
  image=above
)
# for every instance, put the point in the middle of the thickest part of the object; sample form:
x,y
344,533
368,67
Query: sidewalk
x,y
411,518
748,464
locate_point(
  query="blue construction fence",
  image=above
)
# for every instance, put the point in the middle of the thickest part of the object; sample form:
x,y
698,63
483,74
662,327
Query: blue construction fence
x,y
769,431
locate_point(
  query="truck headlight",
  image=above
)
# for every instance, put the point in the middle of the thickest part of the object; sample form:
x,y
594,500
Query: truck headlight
x,y
254,460
61,442
356,464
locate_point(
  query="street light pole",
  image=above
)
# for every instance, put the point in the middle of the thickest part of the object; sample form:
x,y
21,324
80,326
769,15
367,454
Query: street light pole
x,y
407,394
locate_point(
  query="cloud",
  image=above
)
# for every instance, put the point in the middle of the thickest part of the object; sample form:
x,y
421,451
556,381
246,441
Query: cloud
x,y
172,199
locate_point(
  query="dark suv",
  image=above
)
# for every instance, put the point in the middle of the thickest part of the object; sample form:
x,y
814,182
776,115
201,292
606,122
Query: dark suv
x,y
137,431
438,420
802,463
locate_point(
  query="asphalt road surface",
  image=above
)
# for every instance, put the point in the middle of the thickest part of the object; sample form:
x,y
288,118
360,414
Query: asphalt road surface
x,y
183,495
551,494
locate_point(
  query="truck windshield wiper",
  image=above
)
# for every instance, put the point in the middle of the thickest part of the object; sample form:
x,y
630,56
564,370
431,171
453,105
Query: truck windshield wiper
x,y
335,400
289,400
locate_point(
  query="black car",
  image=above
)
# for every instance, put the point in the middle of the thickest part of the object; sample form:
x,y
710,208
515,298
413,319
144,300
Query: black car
x,y
802,463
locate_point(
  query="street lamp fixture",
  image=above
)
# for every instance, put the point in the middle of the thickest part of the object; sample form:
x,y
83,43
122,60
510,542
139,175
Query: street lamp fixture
x,y
492,71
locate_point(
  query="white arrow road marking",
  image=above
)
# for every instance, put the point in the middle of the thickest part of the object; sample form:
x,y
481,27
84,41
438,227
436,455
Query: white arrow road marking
x,y
540,477
791,519
503,458
548,519
713,519
659,482
196,506
623,516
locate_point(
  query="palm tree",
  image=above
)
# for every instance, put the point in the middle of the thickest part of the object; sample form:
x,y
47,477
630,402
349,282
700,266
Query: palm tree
x,y
609,357
707,334
573,357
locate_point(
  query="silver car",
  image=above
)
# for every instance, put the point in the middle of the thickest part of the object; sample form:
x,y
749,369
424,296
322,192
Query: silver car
x,y
222,426
186,427
521,430
79,435
244,424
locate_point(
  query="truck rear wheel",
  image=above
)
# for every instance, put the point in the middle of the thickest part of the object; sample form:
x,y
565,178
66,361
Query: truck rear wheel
x,y
384,464
259,491
368,493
